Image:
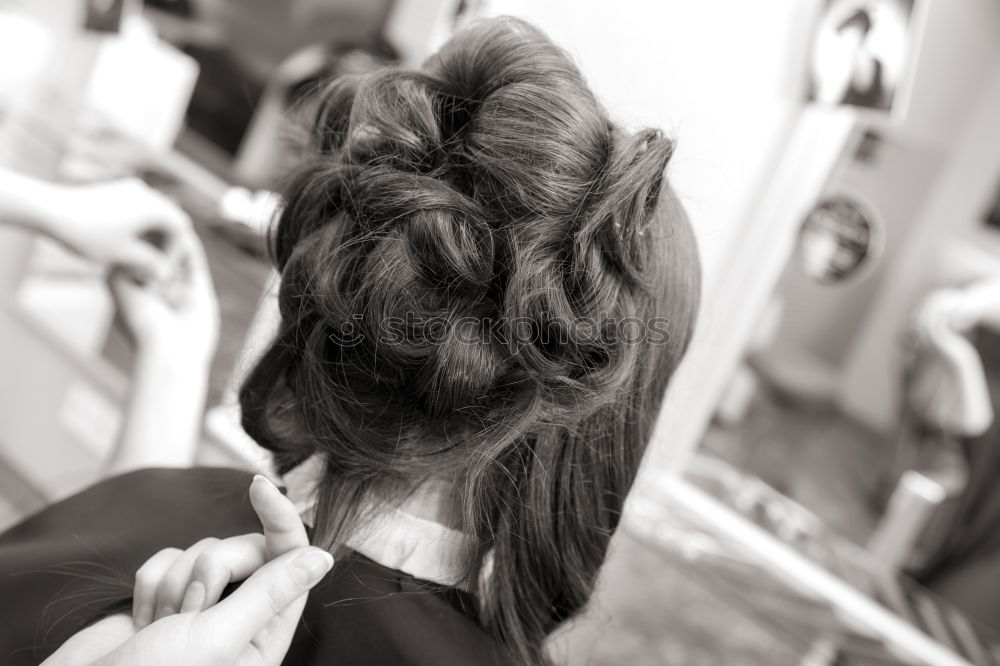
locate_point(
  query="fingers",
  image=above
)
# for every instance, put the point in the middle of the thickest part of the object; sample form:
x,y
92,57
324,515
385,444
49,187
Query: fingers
x,y
161,211
123,288
283,528
180,581
144,261
147,581
190,247
227,561
139,306
190,287
171,590
183,581
151,244
268,593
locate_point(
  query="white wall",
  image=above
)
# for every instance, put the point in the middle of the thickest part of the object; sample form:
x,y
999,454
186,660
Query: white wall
x,y
961,43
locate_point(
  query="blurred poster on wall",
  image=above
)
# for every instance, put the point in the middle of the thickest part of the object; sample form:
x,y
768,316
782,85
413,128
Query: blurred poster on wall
x,y
864,54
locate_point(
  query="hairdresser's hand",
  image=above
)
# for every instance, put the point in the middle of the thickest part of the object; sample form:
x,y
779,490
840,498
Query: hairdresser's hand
x,y
176,319
193,579
113,224
253,626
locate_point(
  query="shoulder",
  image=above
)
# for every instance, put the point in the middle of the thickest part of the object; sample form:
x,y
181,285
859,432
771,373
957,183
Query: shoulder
x,y
74,561
365,613
140,498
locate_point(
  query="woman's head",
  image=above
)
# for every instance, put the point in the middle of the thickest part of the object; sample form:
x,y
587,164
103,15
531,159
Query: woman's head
x,y
483,280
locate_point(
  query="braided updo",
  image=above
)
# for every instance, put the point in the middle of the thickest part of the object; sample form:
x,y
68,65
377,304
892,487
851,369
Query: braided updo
x,y
483,280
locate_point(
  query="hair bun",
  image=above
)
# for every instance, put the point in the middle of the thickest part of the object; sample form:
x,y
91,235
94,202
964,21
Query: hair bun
x,y
394,122
640,163
615,233
492,185
462,369
445,232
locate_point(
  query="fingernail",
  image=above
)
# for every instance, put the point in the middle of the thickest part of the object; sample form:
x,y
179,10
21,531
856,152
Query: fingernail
x,y
311,566
260,478
194,597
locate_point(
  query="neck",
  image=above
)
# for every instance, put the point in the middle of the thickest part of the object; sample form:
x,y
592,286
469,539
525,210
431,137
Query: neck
x,y
434,500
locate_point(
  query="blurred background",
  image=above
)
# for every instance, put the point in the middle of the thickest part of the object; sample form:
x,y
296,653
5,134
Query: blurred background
x,y
821,488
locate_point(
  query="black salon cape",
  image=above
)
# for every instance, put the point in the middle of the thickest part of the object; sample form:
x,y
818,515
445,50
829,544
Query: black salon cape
x,y
74,562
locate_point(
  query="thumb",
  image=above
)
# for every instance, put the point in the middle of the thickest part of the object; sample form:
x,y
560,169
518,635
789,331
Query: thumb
x,y
268,592
283,528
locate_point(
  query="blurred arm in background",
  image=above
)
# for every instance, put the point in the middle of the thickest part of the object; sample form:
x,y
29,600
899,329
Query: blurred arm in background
x,y
175,328
951,390
162,288
124,223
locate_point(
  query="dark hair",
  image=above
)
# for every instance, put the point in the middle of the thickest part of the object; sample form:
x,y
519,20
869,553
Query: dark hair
x,y
487,192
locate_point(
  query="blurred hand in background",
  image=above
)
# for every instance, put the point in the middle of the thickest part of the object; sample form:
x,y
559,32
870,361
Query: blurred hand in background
x,y
124,224
175,326
175,317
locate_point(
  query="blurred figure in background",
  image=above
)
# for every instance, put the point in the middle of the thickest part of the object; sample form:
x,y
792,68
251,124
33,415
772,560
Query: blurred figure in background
x,y
122,224
163,291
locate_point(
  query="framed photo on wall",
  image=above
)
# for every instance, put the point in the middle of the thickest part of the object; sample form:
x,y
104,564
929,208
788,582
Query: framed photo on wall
x,y
864,54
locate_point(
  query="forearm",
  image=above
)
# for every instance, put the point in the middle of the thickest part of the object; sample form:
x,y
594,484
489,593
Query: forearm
x,y
163,415
28,202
